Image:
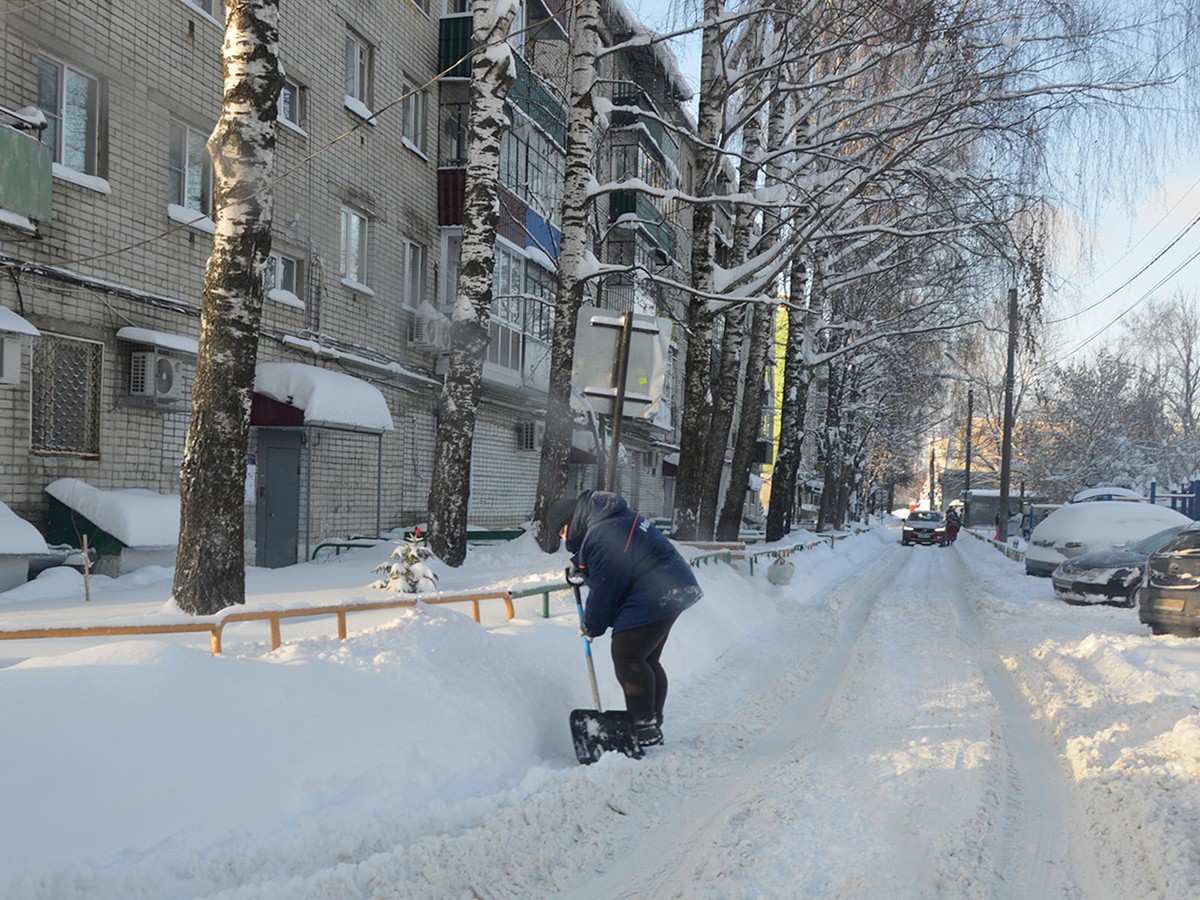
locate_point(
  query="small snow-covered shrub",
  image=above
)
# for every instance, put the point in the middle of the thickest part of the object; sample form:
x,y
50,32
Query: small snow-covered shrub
x,y
408,573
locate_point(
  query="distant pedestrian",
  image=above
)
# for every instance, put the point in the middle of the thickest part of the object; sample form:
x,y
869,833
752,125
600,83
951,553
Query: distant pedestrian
x,y
952,522
638,584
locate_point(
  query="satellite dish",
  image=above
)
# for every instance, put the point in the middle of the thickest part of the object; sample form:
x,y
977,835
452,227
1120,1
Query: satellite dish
x,y
164,376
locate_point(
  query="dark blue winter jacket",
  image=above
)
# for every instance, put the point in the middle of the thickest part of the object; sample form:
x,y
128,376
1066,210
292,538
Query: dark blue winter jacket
x,y
634,576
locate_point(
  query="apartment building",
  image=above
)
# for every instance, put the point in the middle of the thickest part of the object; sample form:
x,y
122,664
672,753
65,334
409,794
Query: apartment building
x,y
105,229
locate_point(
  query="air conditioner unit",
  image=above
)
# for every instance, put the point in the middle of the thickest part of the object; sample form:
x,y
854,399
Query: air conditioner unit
x,y
159,377
530,434
430,333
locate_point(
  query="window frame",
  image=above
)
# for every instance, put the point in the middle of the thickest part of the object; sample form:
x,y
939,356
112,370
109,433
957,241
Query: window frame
x,y
58,118
297,122
358,277
359,69
181,197
414,292
278,261
413,115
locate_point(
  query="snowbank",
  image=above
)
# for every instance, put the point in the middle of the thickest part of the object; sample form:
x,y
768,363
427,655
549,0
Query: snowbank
x,y
18,537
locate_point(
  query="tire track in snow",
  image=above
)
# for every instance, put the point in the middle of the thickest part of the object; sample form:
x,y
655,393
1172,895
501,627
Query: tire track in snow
x,y
1037,852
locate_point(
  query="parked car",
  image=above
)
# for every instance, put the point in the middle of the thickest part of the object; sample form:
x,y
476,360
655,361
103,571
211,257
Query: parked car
x,y
1109,576
1079,528
1169,598
924,526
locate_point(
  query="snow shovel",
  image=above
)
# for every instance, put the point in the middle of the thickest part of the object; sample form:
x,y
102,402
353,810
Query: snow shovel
x,y
594,731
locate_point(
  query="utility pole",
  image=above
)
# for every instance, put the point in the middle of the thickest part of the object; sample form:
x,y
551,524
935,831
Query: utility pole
x,y
967,473
931,504
1006,446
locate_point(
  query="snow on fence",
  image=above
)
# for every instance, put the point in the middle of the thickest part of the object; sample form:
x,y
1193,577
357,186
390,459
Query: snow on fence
x,y
1009,551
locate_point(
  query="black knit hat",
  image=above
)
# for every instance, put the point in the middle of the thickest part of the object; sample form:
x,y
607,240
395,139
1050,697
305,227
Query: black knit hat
x,y
559,515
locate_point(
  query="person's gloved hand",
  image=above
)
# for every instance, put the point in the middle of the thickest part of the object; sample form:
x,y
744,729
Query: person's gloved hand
x,y
583,634
575,575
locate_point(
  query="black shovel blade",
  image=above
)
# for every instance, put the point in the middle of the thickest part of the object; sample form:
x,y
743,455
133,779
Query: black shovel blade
x,y
595,732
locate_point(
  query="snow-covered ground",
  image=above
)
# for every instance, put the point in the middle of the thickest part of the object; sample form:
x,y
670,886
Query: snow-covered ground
x,y
898,722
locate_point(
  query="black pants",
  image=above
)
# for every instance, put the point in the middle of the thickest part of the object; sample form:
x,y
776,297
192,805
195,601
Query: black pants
x,y
635,655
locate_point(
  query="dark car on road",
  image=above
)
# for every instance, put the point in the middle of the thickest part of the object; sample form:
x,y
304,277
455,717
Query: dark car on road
x,y
1169,598
1109,576
924,526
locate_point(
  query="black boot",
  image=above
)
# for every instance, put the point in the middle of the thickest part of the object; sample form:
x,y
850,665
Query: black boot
x,y
647,731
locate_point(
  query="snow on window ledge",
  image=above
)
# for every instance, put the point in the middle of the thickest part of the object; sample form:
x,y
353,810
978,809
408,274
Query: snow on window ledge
x,y
357,286
414,148
287,298
91,182
17,221
292,126
192,218
359,108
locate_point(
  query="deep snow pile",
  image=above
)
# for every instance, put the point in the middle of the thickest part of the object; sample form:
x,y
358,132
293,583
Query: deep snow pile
x,y
427,743
148,768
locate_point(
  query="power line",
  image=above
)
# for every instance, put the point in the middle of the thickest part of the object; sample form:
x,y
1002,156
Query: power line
x,y
1132,277
1135,303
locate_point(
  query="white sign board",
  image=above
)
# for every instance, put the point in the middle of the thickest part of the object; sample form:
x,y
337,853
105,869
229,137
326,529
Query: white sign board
x,y
597,346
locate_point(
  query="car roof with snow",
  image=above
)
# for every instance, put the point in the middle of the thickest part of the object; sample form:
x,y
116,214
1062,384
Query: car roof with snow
x,y
1106,522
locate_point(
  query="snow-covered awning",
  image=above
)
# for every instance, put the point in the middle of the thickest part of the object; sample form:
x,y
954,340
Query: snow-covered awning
x,y
15,324
328,399
160,339
134,516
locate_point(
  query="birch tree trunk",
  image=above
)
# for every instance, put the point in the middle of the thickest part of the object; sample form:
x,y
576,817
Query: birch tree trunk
x,y
791,416
580,151
761,324
492,75
725,394
697,392
210,565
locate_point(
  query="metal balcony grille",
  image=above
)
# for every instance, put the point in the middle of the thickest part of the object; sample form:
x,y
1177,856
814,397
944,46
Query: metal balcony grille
x,y
66,396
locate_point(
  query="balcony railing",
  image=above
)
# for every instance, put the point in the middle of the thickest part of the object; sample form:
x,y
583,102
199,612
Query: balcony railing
x,y
622,203
655,133
25,174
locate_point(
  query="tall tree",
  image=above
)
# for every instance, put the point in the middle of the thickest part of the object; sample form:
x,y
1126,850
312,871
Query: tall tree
x,y
210,566
580,154
697,400
493,74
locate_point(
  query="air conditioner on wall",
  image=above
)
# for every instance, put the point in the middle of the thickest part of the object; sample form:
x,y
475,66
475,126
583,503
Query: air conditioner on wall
x,y
530,434
158,377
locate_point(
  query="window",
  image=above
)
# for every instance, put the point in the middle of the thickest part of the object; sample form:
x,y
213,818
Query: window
x,y
358,68
508,306
291,98
414,274
189,170
451,258
541,286
212,7
353,257
66,377
412,117
283,273
70,100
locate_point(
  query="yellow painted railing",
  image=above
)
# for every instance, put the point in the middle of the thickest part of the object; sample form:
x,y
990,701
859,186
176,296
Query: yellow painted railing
x,y
272,616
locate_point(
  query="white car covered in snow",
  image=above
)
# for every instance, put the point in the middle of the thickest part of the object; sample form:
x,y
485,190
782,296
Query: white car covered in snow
x,y
1080,528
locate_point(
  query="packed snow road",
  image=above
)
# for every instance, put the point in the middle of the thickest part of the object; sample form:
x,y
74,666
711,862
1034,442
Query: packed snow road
x,y
873,744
